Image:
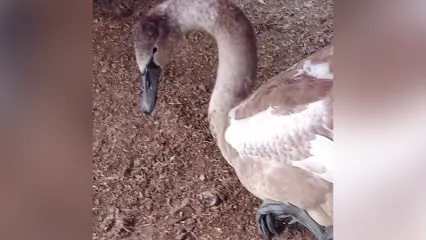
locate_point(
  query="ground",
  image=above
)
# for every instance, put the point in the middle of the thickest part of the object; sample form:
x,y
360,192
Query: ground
x,y
156,177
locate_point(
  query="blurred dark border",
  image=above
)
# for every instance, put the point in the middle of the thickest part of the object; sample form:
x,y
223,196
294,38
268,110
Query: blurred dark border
x,y
45,119
16,31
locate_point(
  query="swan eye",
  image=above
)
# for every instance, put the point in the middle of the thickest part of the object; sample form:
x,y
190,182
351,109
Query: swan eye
x,y
154,50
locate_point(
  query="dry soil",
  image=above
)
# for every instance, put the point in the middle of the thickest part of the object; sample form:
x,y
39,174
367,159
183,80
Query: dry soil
x,y
155,177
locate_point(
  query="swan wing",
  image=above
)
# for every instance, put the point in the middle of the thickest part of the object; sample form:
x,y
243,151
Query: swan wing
x,y
287,119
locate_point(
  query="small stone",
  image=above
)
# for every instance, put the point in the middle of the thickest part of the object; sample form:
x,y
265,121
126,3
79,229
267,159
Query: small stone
x,y
123,11
212,198
181,236
202,177
202,87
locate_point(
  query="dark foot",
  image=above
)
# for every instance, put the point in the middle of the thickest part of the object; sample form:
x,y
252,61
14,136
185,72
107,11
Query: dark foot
x,y
328,233
271,211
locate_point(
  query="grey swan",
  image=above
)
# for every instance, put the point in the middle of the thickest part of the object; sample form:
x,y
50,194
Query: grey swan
x,y
278,138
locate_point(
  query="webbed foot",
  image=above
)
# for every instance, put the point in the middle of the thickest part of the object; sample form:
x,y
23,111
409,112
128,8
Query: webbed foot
x,y
270,211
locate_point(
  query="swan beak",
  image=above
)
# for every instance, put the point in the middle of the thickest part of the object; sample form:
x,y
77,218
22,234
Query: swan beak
x,y
150,79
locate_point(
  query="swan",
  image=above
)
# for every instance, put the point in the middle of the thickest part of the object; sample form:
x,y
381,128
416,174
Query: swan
x,y
278,138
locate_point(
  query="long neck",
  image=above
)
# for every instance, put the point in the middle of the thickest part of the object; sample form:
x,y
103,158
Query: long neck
x,y
236,41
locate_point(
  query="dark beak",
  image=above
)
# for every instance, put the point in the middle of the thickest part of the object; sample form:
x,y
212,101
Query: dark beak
x,y
150,80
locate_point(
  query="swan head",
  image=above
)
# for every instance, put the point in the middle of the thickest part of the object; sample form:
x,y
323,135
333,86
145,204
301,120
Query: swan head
x,y
156,37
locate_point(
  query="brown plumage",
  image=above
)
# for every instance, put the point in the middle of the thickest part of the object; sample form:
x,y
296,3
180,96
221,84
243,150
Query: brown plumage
x,y
277,139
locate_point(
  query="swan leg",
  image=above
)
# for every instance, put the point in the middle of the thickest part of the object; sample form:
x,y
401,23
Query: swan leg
x,y
328,233
270,211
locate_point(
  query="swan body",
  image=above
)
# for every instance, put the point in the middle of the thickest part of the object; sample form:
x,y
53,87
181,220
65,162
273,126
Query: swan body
x,y
278,138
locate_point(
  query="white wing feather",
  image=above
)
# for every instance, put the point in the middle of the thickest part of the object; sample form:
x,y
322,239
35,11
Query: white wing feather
x,y
273,136
321,161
